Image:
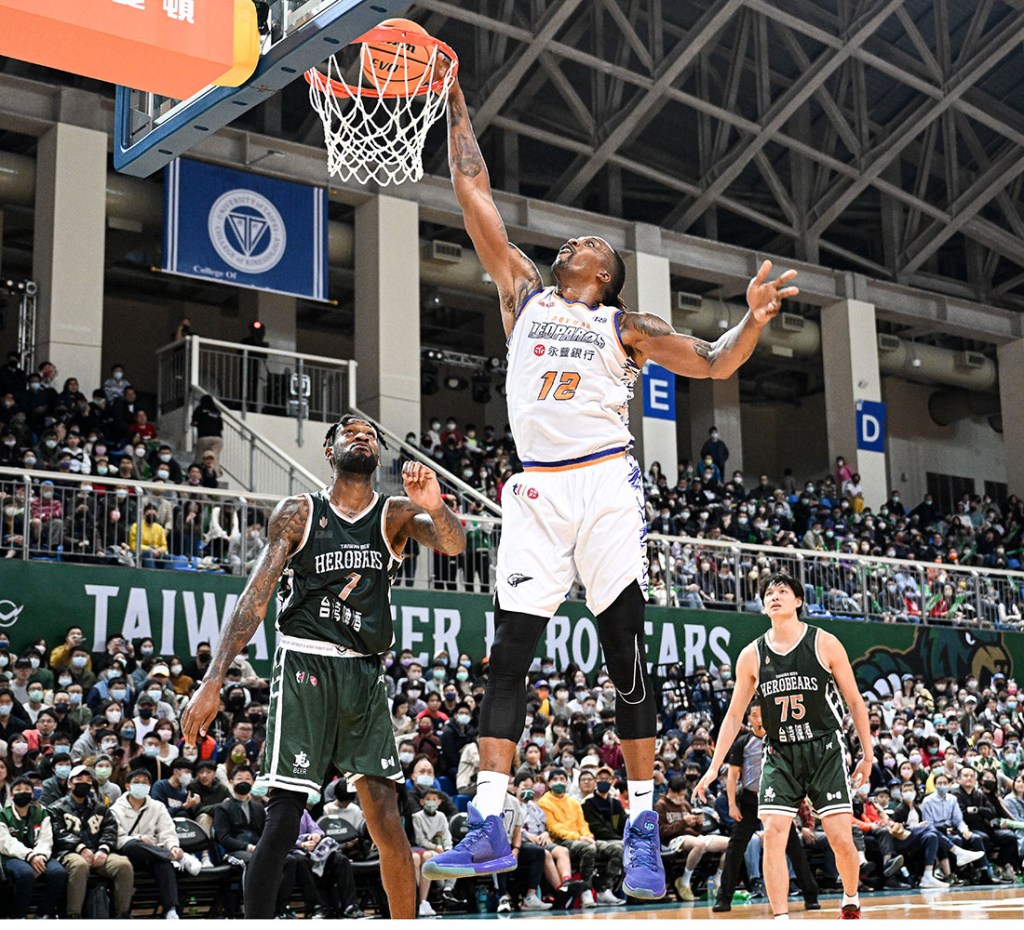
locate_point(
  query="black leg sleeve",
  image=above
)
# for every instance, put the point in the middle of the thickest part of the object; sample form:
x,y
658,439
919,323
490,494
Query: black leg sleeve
x,y
263,874
738,842
503,713
621,631
804,873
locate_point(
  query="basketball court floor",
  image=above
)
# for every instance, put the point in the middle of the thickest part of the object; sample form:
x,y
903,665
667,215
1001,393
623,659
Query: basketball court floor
x,y
956,904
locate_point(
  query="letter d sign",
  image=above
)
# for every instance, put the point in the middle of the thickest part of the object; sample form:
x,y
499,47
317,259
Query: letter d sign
x,y
870,426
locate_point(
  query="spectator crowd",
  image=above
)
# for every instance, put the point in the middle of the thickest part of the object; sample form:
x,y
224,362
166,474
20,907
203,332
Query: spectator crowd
x,y
57,438
98,733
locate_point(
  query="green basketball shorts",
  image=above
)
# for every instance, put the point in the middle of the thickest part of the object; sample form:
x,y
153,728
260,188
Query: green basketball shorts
x,y
817,769
326,706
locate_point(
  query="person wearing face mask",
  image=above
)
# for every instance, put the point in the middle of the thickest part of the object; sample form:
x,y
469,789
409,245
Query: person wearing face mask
x,y
56,786
942,811
153,539
607,819
88,744
145,716
161,461
26,852
85,840
196,668
107,790
977,794
238,824
147,837
149,759
431,837
174,792
457,733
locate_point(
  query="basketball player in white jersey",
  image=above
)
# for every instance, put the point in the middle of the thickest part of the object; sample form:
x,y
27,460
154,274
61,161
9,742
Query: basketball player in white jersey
x,y
574,353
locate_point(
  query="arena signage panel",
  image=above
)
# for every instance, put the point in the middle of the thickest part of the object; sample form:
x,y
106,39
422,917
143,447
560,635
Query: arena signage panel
x,y
181,609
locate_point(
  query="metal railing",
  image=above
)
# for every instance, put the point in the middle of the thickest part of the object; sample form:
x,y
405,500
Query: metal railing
x,y
89,519
252,461
245,379
466,498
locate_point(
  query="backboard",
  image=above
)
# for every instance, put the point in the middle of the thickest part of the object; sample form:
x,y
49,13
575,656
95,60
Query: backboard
x,y
150,131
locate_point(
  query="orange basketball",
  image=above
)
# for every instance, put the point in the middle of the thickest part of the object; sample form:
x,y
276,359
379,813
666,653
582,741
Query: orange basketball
x,y
396,67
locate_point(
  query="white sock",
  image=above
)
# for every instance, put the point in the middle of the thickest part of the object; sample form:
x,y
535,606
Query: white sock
x,y
491,788
641,797
782,916
718,878
929,870
850,899
687,875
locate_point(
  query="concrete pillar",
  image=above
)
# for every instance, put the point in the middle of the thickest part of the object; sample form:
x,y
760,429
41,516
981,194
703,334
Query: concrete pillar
x,y
850,357
648,290
387,328
717,403
68,251
1011,397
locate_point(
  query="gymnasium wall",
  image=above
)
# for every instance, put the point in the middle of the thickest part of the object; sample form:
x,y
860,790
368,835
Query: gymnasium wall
x,y
181,609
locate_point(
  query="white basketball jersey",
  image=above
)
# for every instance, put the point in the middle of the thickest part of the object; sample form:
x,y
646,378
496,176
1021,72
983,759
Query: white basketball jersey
x,y
569,383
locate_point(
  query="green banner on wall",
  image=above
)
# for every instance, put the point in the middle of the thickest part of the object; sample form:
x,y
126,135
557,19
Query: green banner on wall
x,y
181,609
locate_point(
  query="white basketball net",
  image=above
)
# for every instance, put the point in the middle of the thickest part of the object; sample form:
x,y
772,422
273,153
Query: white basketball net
x,y
377,138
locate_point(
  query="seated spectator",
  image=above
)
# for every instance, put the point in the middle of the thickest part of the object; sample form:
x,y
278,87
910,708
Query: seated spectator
x,y
147,837
238,824
432,836
325,873
942,810
84,840
682,830
173,791
26,852
154,539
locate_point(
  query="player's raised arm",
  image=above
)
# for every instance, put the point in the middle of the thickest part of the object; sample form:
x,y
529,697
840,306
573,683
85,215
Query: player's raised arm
x,y
513,273
746,685
650,337
838,663
284,535
423,515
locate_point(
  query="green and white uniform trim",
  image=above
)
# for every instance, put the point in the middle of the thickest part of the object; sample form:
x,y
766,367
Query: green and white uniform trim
x,y
328,699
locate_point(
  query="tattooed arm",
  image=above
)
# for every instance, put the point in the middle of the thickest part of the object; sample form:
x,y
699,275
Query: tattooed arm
x,y
284,536
649,337
423,515
513,273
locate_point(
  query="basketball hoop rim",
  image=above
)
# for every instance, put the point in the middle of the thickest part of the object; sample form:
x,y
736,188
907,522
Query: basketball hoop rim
x,y
387,34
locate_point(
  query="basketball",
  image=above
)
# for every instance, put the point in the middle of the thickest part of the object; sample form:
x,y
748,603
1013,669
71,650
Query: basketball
x,y
397,67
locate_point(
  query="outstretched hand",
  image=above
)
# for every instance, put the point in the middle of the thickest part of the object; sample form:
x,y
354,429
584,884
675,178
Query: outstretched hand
x,y
421,486
700,790
765,297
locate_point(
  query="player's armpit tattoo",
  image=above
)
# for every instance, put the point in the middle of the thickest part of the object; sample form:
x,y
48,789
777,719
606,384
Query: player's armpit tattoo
x,y
645,324
703,349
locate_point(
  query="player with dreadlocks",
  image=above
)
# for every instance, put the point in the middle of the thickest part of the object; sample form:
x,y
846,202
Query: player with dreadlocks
x,y
339,548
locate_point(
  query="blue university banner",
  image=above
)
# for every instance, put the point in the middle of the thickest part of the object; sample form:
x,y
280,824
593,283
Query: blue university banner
x,y
245,229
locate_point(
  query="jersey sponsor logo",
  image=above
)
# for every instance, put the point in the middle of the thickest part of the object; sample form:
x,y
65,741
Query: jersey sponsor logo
x,y
600,319
323,534
301,764
388,763
539,349
565,332
520,489
323,521
349,557
313,680
300,677
517,579
769,793
833,795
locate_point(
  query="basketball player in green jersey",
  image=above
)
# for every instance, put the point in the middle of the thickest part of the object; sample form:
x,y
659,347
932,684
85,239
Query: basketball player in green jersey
x,y
328,703
799,672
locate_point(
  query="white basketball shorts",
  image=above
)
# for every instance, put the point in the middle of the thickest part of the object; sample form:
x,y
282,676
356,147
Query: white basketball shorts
x,y
567,521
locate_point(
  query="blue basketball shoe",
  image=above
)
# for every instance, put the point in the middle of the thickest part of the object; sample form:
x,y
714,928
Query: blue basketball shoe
x,y
641,856
484,850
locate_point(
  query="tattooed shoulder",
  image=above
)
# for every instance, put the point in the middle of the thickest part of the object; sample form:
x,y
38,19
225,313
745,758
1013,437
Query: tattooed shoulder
x,y
288,521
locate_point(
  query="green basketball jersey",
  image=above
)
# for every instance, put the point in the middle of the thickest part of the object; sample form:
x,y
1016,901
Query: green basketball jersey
x,y
799,698
337,587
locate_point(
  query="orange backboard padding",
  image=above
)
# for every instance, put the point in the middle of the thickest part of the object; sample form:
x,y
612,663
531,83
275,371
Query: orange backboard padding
x,y
174,48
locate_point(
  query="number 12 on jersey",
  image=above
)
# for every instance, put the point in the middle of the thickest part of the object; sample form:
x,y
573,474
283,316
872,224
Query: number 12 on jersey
x,y
567,382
